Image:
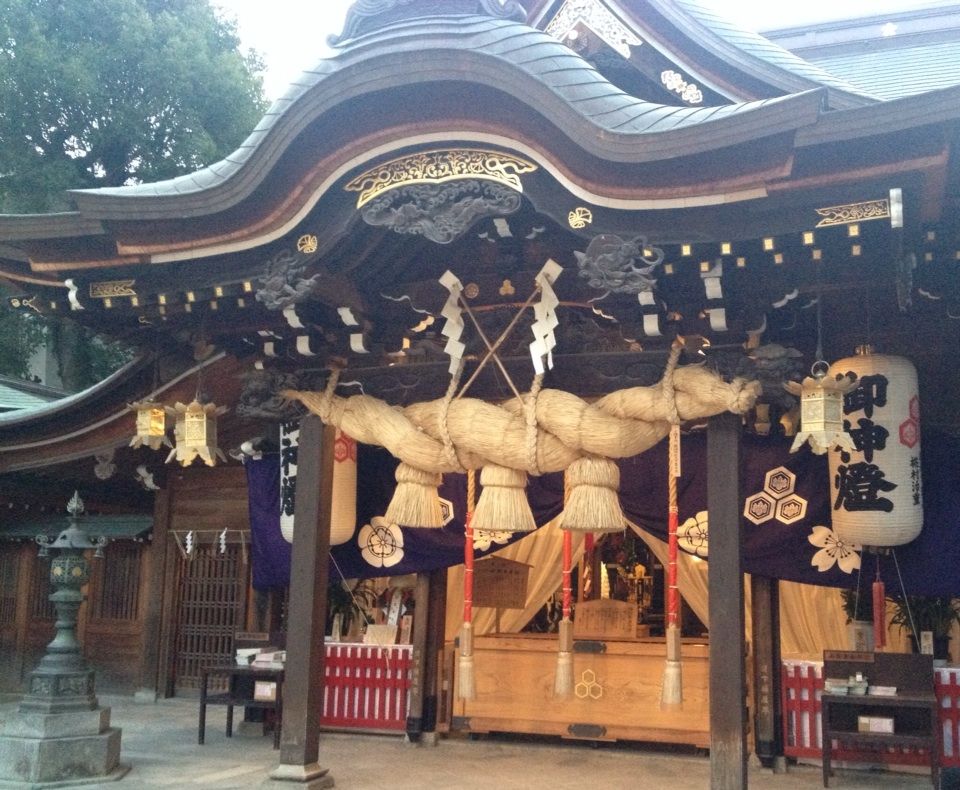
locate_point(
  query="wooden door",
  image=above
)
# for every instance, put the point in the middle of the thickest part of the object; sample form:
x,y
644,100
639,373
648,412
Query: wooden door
x,y
211,608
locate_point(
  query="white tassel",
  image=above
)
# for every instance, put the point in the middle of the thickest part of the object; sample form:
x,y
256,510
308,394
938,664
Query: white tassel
x,y
468,683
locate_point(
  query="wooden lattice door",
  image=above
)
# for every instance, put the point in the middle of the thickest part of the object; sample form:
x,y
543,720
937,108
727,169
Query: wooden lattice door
x,y
211,608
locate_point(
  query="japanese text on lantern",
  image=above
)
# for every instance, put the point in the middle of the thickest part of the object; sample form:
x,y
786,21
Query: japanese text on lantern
x,y
289,445
860,484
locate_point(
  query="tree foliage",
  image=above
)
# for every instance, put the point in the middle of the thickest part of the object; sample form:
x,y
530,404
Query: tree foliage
x,y
20,335
101,93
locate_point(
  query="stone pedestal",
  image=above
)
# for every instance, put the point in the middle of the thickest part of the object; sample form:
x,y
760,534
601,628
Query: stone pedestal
x,y
45,749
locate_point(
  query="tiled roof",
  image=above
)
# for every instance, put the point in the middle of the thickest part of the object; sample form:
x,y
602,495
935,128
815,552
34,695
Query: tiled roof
x,y
13,397
892,73
763,50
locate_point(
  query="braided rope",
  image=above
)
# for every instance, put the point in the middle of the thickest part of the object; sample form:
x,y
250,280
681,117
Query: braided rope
x,y
530,413
667,386
326,403
449,449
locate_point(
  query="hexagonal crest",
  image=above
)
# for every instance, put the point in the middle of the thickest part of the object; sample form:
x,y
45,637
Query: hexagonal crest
x,y
759,508
914,408
791,509
446,510
779,482
909,433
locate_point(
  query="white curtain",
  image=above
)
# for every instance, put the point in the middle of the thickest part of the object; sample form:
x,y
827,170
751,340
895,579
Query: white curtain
x,y
811,617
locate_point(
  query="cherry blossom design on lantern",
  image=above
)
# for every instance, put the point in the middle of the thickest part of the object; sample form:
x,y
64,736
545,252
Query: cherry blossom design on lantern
x,y
833,551
693,535
381,543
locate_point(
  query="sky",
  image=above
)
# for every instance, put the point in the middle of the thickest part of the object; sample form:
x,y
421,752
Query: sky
x,y
291,35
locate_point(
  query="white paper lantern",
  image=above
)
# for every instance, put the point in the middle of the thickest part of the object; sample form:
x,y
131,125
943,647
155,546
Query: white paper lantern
x,y
343,516
877,497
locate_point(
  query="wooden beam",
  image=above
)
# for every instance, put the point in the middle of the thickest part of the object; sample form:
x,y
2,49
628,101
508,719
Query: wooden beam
x,y
303,683
767,723
728,687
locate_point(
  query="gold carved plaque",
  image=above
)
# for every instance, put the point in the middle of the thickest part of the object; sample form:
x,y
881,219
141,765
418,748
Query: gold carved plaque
x,y
112,288
438,166
853,212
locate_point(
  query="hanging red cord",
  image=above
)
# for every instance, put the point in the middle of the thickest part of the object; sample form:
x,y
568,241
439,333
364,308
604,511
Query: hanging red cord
x,y
567,585
673,595
468,569
879,611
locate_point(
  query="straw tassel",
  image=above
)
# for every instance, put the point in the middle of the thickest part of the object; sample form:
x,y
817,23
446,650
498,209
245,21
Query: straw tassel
x,y
503,504
593,505
563,681
468,683
416,501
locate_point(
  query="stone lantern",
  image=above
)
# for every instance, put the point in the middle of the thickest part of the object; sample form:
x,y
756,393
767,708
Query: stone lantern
x,y
60,733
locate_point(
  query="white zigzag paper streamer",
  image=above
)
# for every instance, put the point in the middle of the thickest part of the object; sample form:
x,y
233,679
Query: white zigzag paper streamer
x,y
453,328
545,313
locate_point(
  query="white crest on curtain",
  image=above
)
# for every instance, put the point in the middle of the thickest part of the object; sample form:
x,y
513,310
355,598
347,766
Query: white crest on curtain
x,y
381,543
693,535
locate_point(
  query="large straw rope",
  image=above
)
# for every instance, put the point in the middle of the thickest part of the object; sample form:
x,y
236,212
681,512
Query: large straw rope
x,y
622,424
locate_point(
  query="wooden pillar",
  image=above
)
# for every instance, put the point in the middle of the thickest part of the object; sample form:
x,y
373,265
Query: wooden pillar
x,y
767,723
728,687
303,681
436,636
417,689
152,623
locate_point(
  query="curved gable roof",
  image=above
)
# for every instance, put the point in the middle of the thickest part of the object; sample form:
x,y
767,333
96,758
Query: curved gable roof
x,y
526,63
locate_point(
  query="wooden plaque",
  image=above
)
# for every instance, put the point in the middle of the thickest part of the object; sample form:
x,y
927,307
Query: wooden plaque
x,y
605,619
500,583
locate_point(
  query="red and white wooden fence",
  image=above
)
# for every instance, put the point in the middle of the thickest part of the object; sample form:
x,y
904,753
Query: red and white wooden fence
x,y
367,686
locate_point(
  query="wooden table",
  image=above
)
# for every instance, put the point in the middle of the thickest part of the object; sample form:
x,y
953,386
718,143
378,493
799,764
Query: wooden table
x,y
241,682
915,724
913,708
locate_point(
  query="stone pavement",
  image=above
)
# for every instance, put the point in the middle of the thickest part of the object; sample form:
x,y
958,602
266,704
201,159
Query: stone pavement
x,y
160,745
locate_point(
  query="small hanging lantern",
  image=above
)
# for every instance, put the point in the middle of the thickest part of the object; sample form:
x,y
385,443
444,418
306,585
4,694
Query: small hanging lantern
x,y
196,433
821,409
151,425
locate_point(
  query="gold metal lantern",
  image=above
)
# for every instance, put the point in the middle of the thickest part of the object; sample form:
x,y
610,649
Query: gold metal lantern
x,y
151,425
821,410
195,432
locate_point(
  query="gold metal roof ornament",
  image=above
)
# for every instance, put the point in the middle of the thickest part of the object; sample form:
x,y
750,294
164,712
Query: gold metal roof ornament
x,y
195,432
151,425
821,410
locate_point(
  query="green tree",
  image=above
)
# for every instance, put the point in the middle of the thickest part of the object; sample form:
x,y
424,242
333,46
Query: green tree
x,y
20,335
102,93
